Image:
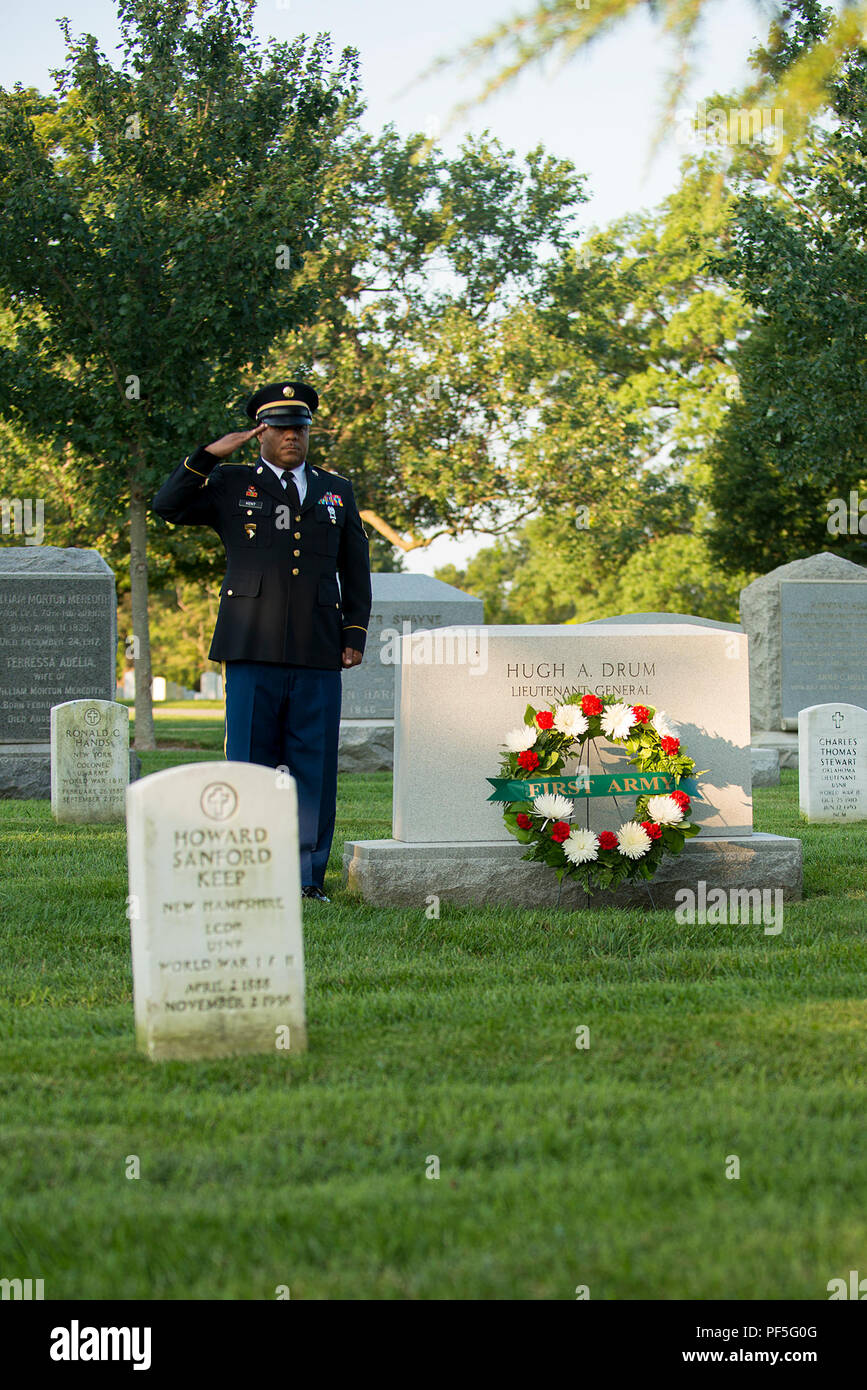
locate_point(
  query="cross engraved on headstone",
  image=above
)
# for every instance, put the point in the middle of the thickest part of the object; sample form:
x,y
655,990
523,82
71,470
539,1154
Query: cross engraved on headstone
x,y
837,719
218,801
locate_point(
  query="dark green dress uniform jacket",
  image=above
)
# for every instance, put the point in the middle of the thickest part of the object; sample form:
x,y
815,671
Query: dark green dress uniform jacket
x,y
280,599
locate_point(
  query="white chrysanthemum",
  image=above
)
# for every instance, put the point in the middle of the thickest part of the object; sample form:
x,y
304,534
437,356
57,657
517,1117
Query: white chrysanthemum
x,y
553,807
633,840
663,725
581,846
518,740
617,720
569,720
664,810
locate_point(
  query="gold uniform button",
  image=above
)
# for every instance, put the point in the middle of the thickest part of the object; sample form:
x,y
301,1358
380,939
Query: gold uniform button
x,y
297,535
297,518
294,571
296,552
337,605
230,592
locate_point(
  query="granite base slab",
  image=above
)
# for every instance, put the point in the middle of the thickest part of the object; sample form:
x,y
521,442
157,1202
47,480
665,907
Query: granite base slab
x,y
25,772
765,763
394,873
366,745
786,744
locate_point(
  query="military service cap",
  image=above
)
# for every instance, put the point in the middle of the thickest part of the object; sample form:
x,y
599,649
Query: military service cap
x,y
283,403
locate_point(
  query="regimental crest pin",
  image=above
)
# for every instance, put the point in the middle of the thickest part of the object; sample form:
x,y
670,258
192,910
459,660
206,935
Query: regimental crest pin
x,y
251,492
250,528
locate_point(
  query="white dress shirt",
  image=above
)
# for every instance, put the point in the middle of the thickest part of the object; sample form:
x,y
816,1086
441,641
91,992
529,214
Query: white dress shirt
x,y
297,473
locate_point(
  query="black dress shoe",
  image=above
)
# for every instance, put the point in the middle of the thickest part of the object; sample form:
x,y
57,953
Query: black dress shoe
x,y
311,891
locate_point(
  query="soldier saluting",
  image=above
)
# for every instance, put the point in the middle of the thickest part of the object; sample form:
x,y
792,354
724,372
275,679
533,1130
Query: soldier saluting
x,y
295,601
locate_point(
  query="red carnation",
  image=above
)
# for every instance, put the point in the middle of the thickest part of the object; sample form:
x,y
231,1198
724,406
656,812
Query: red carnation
x,y
545,719
653,830
641,713
560,830
590,705
682,800
670,745
528,760
607,840
524,821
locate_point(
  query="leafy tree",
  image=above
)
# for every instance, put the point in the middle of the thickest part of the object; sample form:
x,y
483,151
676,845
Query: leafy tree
x,y
427,264
534,377
635,335
676,574
797,436
540,575
148,211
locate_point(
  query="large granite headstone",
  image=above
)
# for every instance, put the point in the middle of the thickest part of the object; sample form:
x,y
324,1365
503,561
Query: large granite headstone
x,y
807,625
452,718
833,762
401,602
89,761
215,911
57,643
824,643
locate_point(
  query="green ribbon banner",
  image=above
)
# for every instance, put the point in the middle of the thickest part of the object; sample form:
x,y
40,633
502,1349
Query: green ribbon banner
x,y
616,784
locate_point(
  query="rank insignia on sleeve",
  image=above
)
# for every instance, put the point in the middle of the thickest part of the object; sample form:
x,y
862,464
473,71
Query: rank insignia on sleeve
x,y
251,492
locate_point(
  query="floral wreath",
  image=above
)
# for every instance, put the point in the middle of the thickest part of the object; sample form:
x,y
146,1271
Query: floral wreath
x,y
538,752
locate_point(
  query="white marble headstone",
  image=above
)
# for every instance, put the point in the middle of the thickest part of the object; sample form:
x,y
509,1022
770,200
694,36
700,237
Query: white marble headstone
x,y
211,685
158,688
832,758
89,761
215,911
457,701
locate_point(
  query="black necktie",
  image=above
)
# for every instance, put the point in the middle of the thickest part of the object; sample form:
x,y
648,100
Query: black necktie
x,y
292,492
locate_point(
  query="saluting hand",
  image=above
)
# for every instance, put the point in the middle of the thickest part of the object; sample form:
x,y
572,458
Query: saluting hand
x,y
222,448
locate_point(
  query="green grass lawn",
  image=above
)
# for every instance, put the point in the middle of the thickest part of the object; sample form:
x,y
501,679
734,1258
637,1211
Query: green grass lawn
x,y
455,1038
187,725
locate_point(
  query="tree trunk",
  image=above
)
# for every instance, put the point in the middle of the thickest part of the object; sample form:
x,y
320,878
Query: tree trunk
x,y
141,653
